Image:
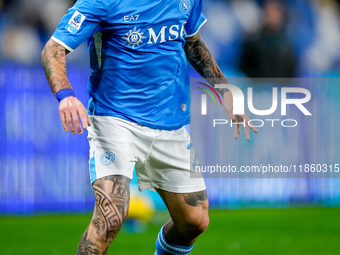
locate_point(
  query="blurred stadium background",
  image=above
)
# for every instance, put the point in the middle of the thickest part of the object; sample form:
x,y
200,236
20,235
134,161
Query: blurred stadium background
x,y
45,193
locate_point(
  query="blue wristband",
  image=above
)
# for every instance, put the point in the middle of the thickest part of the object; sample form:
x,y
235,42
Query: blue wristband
x,y
62,94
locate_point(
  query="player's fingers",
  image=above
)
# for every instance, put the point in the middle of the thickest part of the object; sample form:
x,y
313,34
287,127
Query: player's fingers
x,y
251,125
88,119
246,130
239,119
232,117
237,131
83,118
63,120
70,122
77,122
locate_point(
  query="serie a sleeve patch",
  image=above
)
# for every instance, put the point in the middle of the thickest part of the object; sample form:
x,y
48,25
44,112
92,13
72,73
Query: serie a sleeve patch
x,y
75,22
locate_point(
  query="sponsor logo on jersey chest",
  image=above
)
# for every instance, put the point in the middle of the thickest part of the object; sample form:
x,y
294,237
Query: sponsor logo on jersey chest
x,y
134,37
162,35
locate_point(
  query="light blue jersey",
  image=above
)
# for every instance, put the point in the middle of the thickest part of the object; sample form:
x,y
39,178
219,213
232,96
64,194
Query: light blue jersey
x,y
139,68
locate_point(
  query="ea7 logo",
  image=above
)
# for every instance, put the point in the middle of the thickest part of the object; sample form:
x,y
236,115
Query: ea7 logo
x,y
239,99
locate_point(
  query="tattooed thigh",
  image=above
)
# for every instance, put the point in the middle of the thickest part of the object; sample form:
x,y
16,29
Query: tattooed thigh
x,y
195,198
112,196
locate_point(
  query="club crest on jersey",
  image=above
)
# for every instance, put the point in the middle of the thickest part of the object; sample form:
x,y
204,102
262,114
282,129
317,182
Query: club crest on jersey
x,y
75,22
134,37
184,6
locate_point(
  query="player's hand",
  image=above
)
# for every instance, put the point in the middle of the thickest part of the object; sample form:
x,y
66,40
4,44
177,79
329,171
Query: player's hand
x,y
73,115
228,107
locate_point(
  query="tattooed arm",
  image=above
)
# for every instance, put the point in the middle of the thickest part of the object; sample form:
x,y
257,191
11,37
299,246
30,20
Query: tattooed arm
x,y
201,59
204,63
53,59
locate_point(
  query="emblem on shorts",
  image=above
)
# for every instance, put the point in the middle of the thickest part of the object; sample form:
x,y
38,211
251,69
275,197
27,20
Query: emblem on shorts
x,y
134,37
184,6
107,158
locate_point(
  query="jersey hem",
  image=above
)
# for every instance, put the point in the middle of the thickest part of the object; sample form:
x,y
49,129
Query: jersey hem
x,y
191,35
62,44
147,124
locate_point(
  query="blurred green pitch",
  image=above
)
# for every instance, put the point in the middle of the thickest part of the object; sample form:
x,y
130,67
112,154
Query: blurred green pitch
x,y
246,231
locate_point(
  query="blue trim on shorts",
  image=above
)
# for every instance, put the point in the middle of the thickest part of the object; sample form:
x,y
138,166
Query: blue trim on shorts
x,y
93,173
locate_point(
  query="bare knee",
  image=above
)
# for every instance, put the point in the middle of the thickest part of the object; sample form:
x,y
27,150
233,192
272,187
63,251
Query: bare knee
x,y
196,220
204,223
194,223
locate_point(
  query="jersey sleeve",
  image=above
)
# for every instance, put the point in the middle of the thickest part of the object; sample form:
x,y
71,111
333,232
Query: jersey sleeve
x,y
81,21
196,19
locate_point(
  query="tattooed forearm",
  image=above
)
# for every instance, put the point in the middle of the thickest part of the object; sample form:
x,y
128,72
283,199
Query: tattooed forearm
x,y
196,198
53,59
201,59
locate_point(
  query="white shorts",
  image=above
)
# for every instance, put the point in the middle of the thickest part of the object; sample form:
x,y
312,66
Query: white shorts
x,y
161,158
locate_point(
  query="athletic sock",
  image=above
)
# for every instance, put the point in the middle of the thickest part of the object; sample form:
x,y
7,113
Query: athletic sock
x,y
164,247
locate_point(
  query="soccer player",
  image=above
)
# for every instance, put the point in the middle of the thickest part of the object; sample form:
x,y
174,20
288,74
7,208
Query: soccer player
x,y
139,102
